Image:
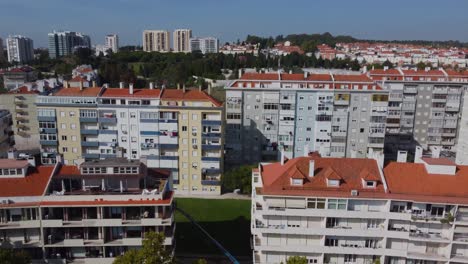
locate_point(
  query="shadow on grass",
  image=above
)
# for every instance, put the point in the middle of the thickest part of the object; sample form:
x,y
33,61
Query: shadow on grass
x,y
233,235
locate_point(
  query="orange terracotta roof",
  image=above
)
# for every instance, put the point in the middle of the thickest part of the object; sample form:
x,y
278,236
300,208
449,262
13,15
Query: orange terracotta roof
x,y
12,164
413,179
385,72
137,93
259,76
351,78
189,95
319,77
423,73
20,205
34,184
292,77
68,170
23,90
276,177
75,91
78,79
439,161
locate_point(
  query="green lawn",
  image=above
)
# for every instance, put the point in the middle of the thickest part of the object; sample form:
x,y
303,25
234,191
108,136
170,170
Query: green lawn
x,y
228,221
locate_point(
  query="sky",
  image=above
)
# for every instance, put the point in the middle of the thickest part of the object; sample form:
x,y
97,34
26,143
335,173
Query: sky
x,y
232,20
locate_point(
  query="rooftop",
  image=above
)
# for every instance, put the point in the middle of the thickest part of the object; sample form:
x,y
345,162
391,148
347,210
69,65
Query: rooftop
x,y
188,95
13,164
112,162
76,91
439,161
137,93
34,184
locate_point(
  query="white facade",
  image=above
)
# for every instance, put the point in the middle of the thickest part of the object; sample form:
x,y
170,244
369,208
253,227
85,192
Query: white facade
x,y
20,49
156,40
112,42
204,45
182,40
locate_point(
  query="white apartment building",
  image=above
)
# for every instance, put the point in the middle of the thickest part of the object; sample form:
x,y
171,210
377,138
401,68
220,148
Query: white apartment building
x,y
182,40
20,49
1,49
204,45
156,40
424,108
335,114
89,213
346,211
112,42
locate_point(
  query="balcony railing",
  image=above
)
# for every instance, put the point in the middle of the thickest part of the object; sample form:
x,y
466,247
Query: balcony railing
x,y
211,182
90,143
89,131
211,122
48,142
211,158
91,155
209,146
88,119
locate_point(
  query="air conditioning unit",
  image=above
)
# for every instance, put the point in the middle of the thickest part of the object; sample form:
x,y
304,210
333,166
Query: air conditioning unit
x,y
354,193
194,133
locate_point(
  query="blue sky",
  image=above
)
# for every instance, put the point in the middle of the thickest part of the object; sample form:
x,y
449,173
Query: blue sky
x,y
230,20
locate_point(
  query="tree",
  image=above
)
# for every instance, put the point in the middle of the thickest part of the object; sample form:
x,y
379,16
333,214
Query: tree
x,y
10,256
296,260
152,252
238,178
388,64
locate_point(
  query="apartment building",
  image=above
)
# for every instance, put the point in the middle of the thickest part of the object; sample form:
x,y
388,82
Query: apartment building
x,y
182,40
21,103
1,49
156,40
204,45
112,42
15,77
179,130
348,210
424,107
88,213
6,139
20,49
336,115
64,43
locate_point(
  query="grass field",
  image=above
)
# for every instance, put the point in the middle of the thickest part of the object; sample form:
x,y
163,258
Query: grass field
x,y
228,221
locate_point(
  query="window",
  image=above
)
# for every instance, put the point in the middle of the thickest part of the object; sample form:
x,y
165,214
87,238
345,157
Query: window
x,y
73,126
134,139
74,150
62,114
337,204
122,114
63,126
194,165
370,184
133,115
184,141
297,181
194,177
72,114
73,138
333,183
123,139
184,128
133,128
331,242
64,137
194,141
194,153
184,165
185,153
350,258
64,149
332,222
194,117
371,243
316,203
184,116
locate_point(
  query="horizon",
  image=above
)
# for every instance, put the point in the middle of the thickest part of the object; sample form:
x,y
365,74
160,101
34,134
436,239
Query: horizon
x,y
229,21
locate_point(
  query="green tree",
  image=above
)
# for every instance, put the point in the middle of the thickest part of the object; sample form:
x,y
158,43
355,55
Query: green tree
x,y
10,256
200,261
238,178
296,260
388,64
152,252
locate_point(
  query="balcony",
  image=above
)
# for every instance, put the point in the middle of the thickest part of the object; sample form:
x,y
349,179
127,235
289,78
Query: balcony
x,y
167,120
48,130
107,132
341,102
175,181
108,120
91,155
48,142
46,118
211,158
211,135
145,146
211,170
88,119
433,236
211,147
89,131
168,145
206,122
211,182
107,156
89,143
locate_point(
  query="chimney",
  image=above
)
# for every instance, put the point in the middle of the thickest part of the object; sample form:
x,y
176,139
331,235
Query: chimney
x,y
183,88
435,151
106,85
94,84
209,88
65,84
12,154
306,150
121,85
151,85
418,154
32,161
311,168
81,85
130,88
402,156
240,73
306,74
364,69
178,86
427,69
282,158
290,71
385,68
199,87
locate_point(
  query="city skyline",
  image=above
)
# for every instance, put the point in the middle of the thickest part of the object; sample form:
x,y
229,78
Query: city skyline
x,y
297,18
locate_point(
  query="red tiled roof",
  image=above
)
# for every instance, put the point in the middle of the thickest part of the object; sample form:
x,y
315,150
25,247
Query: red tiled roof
x,y
259,76
75,91
22,90
68,170
351,78
78,79
439,161
385,72
413,179
276,177
137,93
189,95
34,184
423,73
12,164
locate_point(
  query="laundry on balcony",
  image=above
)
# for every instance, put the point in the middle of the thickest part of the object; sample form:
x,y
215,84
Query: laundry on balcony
x,y
174,134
